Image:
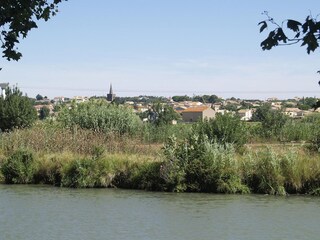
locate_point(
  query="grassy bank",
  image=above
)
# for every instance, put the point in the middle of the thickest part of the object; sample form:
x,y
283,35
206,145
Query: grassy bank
x,y
217,169
207,157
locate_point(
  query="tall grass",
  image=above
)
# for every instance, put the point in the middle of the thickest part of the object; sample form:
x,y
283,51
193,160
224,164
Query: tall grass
x,y
52,138
218,169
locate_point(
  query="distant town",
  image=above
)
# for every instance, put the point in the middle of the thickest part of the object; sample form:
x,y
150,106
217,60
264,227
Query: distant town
x,y
189,108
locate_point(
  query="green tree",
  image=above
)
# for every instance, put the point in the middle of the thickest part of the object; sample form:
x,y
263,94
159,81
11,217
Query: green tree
x,y
214,99
181,98
246,105
272,121
17,18
16,110
292,32
39,97
44,113
231,107
310,102
223,129
162,114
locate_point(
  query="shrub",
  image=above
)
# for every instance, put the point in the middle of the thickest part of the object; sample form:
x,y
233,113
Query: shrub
x,y
272,121
266,175
197,165
224,129
16,111
296,130
217,171
19,167
148,177
87,172
101,116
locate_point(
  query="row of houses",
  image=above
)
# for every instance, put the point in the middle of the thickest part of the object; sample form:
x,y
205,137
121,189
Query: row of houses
x,y
193,114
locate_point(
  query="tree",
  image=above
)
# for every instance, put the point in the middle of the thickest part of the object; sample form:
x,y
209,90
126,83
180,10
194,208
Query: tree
x,y
207,99
44,113
18,17
307,33
231,107
181,98
223,129
162,114
307,103
16,110
39,97
272,121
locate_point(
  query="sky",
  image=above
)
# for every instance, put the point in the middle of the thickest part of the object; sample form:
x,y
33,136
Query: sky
x,y
164,48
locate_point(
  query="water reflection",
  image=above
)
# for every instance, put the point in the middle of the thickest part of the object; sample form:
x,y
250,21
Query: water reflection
x,y
41,212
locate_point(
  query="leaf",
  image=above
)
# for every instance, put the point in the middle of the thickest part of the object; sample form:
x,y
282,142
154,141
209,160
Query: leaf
x,y
264,25
280,36
294,25
297,35
311,42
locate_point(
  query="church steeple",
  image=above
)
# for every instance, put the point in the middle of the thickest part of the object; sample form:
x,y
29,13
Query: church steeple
x,y
110,91
111,96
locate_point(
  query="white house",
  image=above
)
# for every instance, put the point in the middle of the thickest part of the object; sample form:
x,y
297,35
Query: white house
x,y
293,112
3,87
245,114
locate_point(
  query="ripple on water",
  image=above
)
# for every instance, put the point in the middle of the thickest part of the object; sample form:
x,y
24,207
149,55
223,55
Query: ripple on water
x,y
41,212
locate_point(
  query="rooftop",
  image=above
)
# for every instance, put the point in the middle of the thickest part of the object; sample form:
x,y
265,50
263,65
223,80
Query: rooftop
x,y
196,109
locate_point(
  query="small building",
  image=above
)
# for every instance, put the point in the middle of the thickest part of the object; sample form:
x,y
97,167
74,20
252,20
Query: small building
x,y
80,99
3,87
194,114
245,114
58,100
294,112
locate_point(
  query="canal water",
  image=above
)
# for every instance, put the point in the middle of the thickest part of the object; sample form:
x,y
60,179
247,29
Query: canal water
x,y
43,213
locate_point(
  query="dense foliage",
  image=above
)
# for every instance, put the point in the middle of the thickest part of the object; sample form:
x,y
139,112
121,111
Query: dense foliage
x,y
162,114
307,33
223,129
18,17
16,110
44,113
20,167
100,116
272,120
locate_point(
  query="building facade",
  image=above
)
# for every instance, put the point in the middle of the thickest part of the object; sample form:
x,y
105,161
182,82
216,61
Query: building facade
x,y
3,87
195,114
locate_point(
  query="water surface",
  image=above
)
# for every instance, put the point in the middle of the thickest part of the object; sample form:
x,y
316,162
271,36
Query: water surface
x,y
42,212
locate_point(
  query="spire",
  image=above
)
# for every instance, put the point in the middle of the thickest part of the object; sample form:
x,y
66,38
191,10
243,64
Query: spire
x,y
111,96
110,91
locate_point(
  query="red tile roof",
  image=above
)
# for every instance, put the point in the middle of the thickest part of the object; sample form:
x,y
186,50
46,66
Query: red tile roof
x,y
195,109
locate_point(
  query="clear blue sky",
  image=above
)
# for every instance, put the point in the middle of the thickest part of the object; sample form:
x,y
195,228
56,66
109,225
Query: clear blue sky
x,y
165,48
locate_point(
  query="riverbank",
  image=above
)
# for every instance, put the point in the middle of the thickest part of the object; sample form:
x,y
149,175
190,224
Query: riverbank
x,y
265,170
199,159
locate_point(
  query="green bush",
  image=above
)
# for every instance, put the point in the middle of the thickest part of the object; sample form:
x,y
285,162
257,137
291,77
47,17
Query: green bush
x,y
87,172
216,171
101,116
16,111
148,177
296,130
266,175
198,165
272,121
20,167
223,129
